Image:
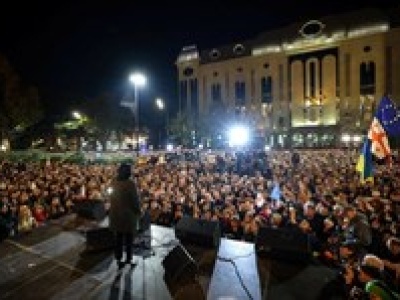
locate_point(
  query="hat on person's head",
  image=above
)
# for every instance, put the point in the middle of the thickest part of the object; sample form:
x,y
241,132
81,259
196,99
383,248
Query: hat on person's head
x,y
374,261
124,171
351,244
372,265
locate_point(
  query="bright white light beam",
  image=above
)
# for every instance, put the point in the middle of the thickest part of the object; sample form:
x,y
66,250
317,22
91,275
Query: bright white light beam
x,y
238,136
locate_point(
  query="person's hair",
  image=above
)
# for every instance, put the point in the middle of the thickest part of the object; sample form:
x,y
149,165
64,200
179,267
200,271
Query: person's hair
x,y
349,208
124,172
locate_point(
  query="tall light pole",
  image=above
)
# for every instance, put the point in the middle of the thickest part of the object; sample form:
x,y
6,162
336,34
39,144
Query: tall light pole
x,y
80,119
77,115
138,80
160,105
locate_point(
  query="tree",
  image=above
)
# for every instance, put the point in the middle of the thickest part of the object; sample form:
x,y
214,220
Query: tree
x,y
181,128
21,109
213,125
106,116
24,109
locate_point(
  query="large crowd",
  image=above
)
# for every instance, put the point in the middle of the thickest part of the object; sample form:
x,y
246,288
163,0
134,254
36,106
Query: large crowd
x,y
353,226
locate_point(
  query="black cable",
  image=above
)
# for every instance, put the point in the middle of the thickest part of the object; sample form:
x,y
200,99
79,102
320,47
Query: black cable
x,y
238,274
238,256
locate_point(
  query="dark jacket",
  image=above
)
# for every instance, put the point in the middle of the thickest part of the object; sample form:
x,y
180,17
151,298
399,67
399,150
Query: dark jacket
x,y
361,230
125,207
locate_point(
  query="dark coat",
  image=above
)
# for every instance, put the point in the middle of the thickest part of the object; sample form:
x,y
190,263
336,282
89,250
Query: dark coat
x,y
124,207
360,230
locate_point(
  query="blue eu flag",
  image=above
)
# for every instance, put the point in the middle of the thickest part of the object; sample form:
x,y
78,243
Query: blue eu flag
x,y
389,117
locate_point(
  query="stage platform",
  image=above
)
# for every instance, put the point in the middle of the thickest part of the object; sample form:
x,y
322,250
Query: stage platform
x,y
53,262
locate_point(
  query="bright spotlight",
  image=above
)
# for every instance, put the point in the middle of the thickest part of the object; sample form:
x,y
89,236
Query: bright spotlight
x,y
77,115
346,138
109,190
137,79
238,136
160,103
170,147
267,148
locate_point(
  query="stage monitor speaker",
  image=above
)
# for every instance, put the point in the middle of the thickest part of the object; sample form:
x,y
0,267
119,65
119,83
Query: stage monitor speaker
x,y
180,269
283,243
200,232
91,209
308,282
98,239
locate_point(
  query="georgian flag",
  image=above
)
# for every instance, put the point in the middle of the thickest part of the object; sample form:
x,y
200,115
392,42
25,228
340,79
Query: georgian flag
x,y
379,140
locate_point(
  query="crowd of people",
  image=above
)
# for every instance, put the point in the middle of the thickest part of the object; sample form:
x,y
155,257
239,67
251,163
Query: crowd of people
x,y
353,226
31,194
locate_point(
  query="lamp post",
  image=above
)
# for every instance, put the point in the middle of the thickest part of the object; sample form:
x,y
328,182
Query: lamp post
x,y
138,80
80,120
161,106
160,103
77,115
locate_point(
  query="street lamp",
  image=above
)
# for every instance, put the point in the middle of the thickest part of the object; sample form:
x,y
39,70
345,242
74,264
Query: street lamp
x,y
78,124
138,80
77,115
160,105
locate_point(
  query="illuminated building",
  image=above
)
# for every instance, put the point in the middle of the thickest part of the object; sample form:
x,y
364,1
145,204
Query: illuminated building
x,y
308,84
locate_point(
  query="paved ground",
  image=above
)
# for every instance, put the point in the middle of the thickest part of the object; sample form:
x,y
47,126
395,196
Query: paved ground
x,y
52,262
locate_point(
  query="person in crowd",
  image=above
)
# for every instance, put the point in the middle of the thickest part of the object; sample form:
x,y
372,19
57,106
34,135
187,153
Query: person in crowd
x,y
124,213
358,227
392,263
5,221
39,213
372,278
295,159
26,221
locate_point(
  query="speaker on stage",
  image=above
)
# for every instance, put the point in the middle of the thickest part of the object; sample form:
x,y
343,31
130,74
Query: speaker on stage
x,y
90,209
200,232
288,281
99,239
283,243
180,270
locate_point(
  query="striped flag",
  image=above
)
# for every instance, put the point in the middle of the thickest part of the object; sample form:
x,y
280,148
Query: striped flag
x,y
379,140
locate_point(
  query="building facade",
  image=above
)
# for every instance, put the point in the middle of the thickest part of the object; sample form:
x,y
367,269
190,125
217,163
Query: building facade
x,y
310,84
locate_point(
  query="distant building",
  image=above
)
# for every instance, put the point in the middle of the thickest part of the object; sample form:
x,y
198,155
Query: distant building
x,y
315,83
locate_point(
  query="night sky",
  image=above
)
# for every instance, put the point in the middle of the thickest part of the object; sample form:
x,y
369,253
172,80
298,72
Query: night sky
x,y
90,47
